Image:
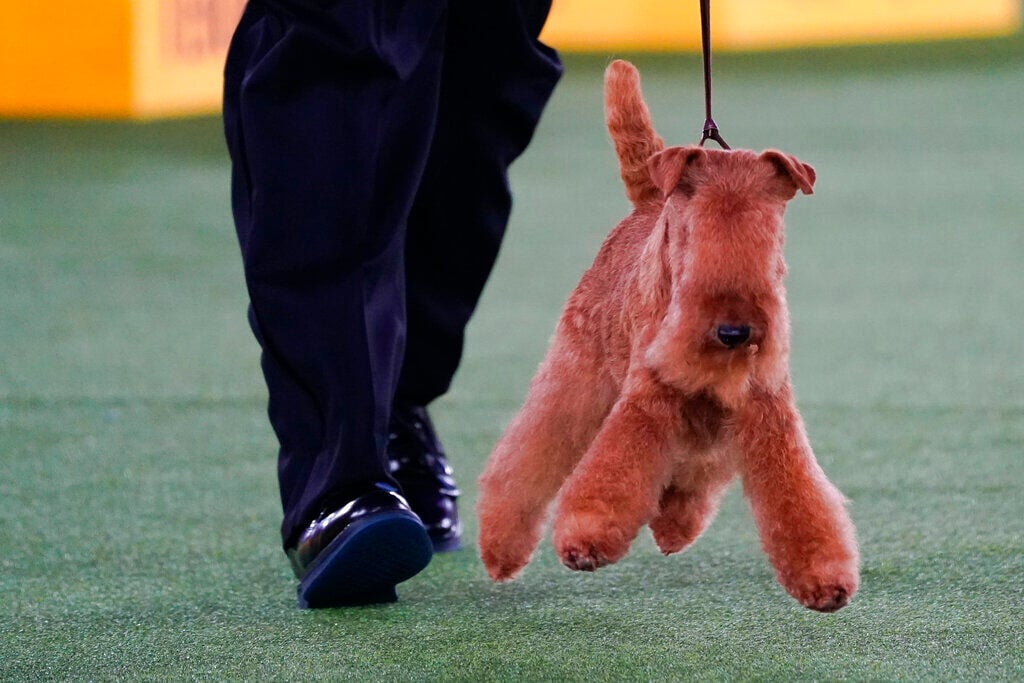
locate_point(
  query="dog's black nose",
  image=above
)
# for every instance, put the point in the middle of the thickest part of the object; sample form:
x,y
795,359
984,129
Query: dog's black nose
x,y
733,335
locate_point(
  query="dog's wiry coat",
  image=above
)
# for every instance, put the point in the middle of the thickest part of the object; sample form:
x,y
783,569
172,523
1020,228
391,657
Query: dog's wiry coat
x,y
641,413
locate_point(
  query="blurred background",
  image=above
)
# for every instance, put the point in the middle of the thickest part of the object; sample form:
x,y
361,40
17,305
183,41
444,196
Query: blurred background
x,y
138,502
145,58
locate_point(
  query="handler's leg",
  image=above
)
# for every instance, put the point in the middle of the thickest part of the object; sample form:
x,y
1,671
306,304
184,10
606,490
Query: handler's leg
x,y
496,80
329,111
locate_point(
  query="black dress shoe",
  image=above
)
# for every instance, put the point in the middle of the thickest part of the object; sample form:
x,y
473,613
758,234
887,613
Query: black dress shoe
x,y
416,460
355,555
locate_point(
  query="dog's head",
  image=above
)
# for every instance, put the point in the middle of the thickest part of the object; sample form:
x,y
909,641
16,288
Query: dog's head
x,y
715,256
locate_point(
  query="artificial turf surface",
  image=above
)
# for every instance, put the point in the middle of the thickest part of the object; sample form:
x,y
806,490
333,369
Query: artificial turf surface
x,y
138,506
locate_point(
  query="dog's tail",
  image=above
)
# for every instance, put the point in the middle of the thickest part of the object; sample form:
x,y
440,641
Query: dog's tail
x,y
629,123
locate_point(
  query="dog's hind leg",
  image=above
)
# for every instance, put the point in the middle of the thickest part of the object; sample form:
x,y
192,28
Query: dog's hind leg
x,y
568,399
687,508
705,464
614,491
803,522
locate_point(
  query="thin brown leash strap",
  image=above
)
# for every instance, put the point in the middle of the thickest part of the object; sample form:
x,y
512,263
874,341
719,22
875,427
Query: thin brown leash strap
x,y
710,127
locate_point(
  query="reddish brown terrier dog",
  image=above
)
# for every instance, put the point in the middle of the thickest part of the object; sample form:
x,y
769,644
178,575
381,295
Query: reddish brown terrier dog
x,y
668,376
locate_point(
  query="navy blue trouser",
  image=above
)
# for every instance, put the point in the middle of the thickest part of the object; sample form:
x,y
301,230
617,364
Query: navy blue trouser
x,y
370,142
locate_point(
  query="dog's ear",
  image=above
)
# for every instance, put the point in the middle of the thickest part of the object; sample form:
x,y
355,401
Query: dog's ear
x,y
668,168
798,175
654,274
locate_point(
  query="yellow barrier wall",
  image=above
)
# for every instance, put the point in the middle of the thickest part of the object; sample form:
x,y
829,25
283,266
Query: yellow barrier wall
x,y
65,57
178,54
593,25
113,58
753,24
145,58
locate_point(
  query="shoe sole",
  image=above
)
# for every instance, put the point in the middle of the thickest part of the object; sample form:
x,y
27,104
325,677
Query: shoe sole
x,y
365,562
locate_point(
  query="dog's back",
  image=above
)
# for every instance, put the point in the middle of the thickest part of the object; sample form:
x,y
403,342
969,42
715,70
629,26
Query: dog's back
x,y
629,123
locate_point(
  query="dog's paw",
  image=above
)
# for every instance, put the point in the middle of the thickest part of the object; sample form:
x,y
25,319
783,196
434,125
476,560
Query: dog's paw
x,y
502,568
508,533
586,543
826,590
672,534
583,559
682,518
671,539
504,558
827,598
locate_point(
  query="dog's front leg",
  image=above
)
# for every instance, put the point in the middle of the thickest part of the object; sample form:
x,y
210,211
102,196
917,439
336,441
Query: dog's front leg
x,y
616,487
802,518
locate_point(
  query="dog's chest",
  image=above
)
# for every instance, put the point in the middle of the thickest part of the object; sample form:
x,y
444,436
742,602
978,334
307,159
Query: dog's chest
x,y
702,420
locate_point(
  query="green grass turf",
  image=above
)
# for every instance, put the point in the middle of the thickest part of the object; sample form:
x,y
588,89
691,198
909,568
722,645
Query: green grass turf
x,y
138,508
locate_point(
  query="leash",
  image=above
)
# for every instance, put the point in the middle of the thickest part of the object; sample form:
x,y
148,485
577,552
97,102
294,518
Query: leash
x,y
710,127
